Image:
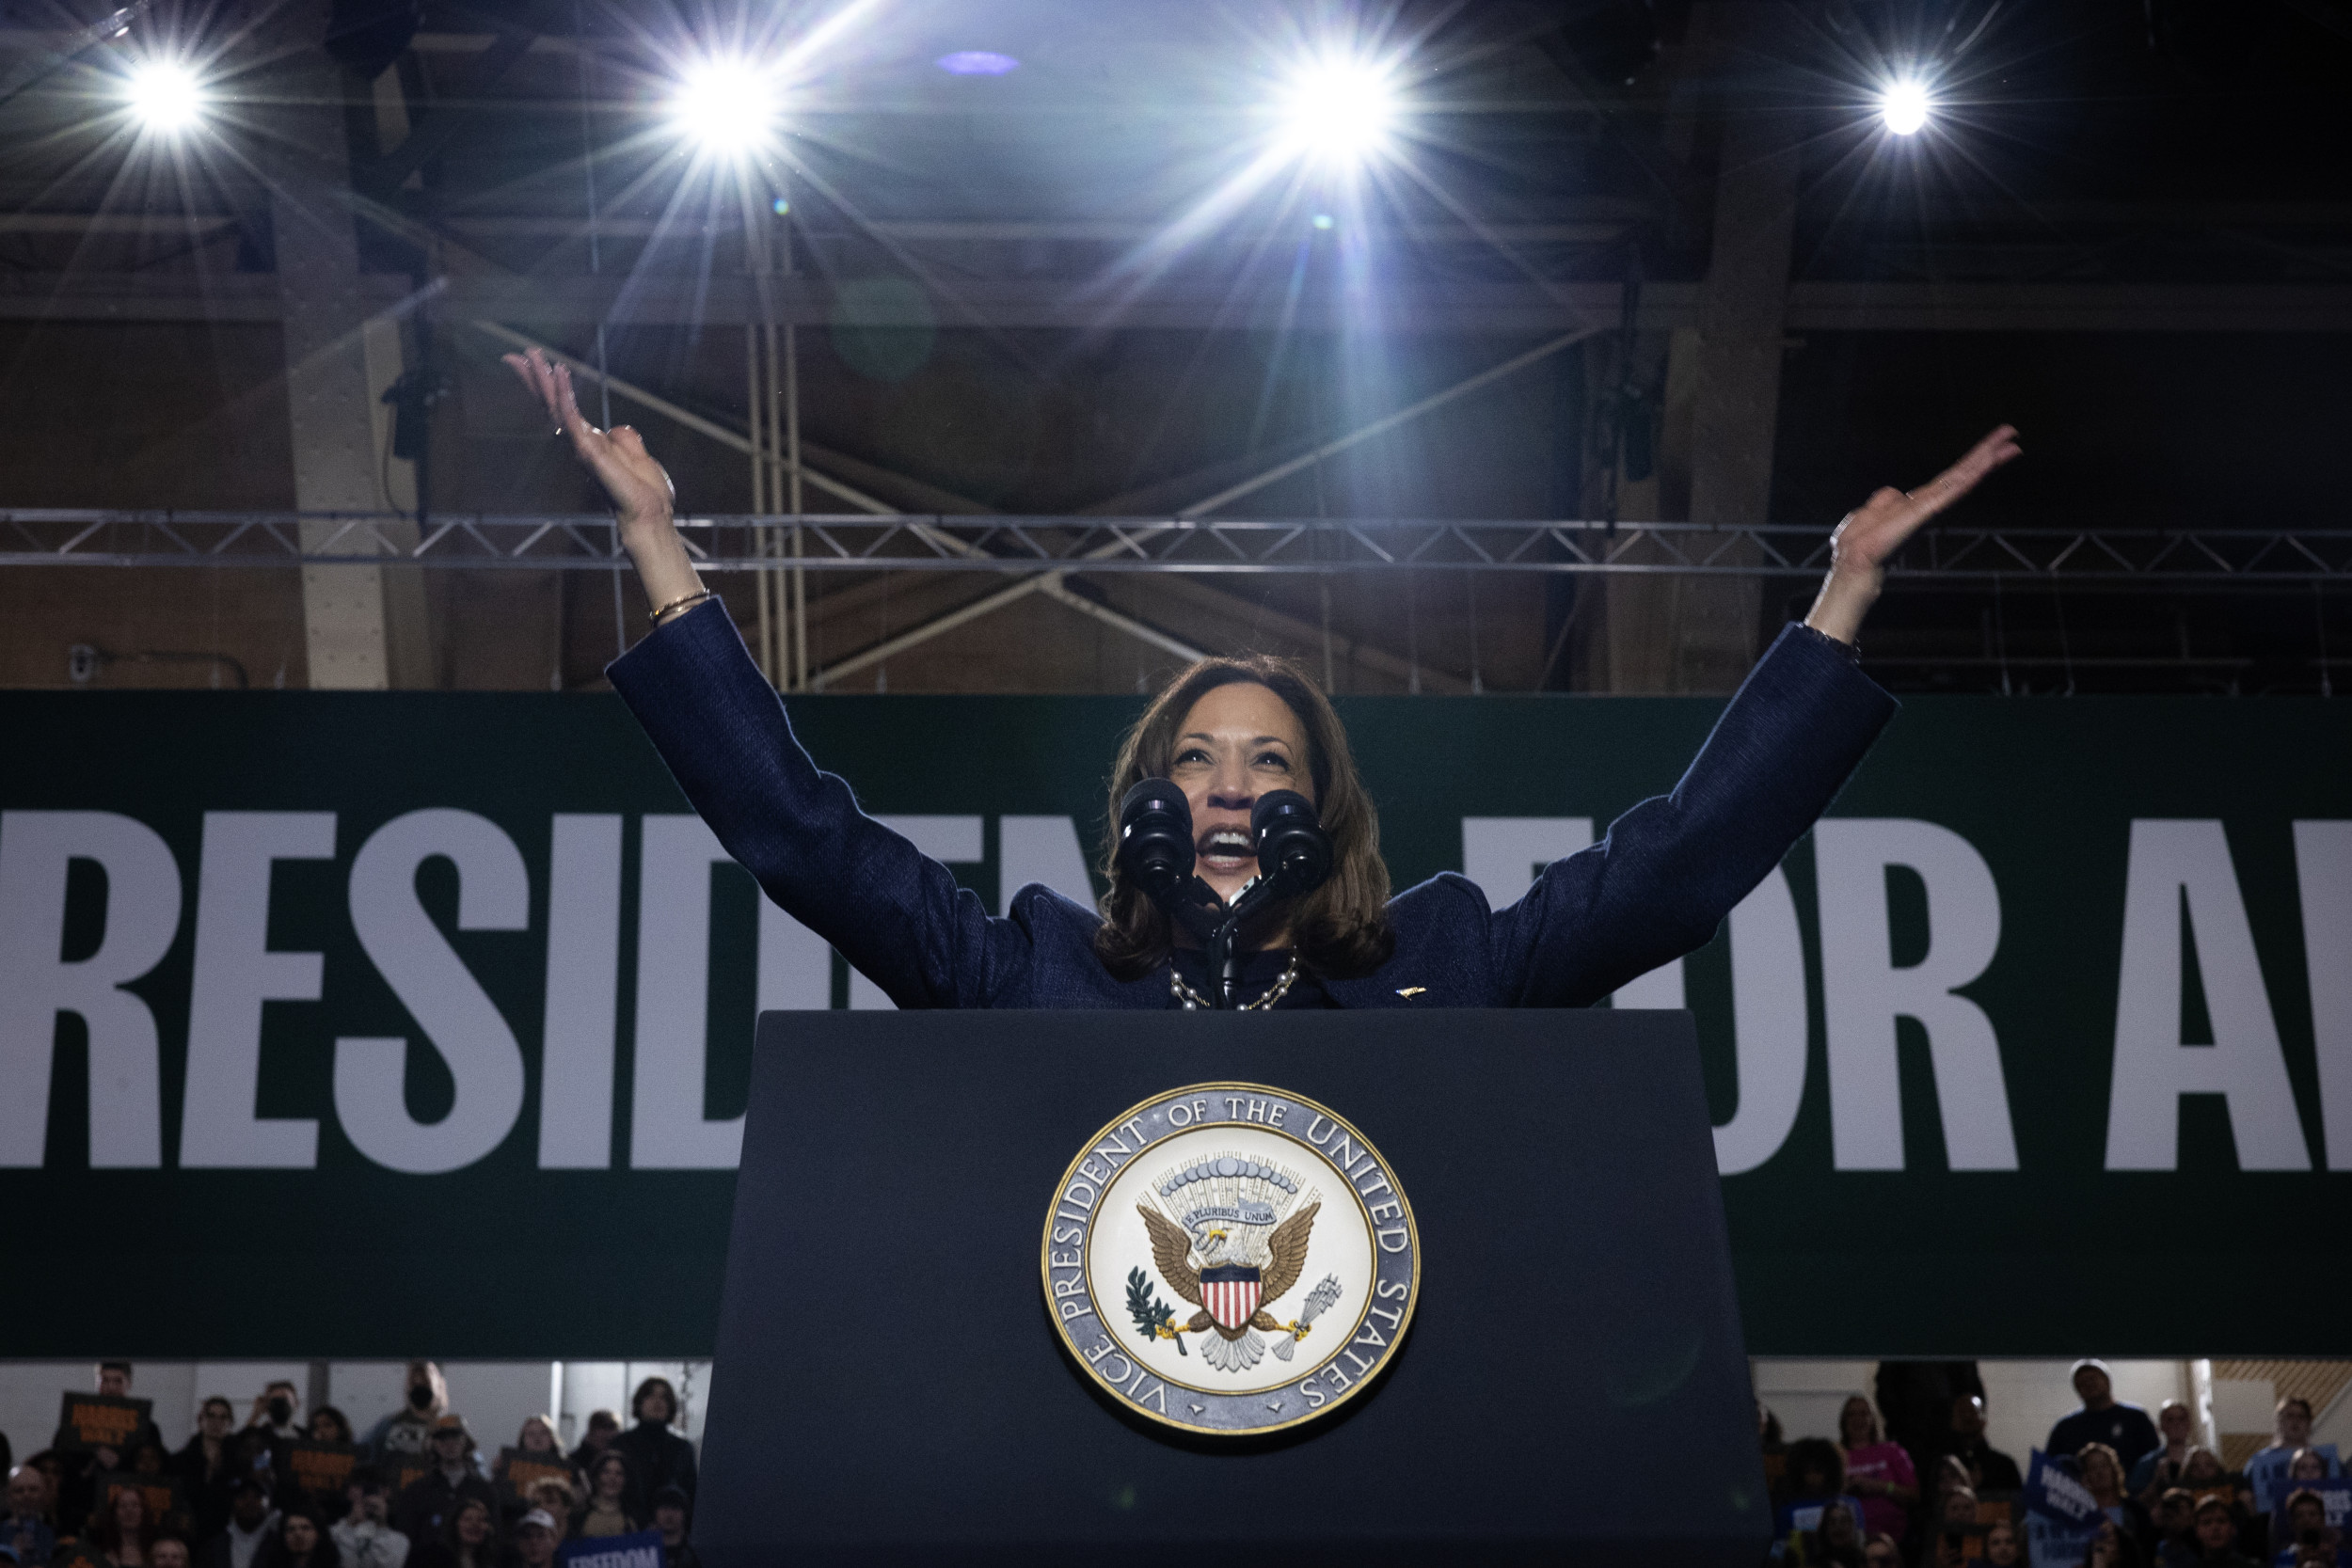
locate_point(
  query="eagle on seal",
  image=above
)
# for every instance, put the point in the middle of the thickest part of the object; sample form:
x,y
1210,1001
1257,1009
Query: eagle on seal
x,y
1243,1290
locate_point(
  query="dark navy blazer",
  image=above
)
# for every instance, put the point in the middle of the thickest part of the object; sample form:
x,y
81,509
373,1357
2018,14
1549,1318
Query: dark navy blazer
x,y
1654,889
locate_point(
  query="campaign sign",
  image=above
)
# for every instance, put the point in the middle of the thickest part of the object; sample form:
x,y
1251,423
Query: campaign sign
x,y
2334,1495
322,1469
100,1421
166,1507
2057,1493
521,1469
2266,1471
642,1550
2050,1543
1797,1519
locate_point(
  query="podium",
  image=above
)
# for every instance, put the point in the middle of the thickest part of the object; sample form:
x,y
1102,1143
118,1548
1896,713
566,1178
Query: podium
x,y
889,1386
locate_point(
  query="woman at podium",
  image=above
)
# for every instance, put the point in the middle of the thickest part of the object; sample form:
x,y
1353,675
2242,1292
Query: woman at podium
x,y
1227,731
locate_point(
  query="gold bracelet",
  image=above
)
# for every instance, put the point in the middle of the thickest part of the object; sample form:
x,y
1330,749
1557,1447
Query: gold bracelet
x,y
681,602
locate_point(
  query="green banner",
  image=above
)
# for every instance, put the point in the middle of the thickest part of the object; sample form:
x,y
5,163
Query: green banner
x,y
372,1025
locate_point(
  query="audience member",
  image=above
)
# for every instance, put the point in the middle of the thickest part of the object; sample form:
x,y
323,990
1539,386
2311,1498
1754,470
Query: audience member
x,y
75,1488
1877,1471
538,1439
556,1499
2217,1537
250,1520
2175,1520
25,1528
2101,1472
274,1410
426,1508
1917,1397
535,1538
658,1457
203,1465
365,1537
2308,1535
467,1540
1945,1542
1836,1540
405,1437
2112,1547
603,1426
120,1528
300,1541
2103,1418
1988,1468
2291,1431
1883,1551
2004,1547
169,1551
330,1425
606,1511
2159,1469
671,1506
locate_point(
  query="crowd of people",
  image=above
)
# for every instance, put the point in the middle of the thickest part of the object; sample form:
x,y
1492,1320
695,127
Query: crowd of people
x,y
1910,1481
279,1491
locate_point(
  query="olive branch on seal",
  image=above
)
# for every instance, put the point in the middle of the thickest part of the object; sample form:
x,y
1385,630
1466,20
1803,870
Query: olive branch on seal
x,y
1151,1314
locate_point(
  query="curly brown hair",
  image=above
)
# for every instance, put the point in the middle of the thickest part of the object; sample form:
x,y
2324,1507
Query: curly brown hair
x,y
1342,929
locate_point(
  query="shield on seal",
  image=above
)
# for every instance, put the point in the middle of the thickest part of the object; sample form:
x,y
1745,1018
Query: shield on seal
x,y
1230,1291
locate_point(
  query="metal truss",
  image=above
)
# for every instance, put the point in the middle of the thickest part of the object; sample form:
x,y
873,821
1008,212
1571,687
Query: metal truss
x,y
2126,556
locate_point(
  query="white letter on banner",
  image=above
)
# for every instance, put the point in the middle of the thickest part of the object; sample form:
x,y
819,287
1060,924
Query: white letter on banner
x,y
1503,855
2170,859
1767,1008
450,1008
576,1053
1040,849
668,1130
1863,992
236,973
2323,872
37,847
955,840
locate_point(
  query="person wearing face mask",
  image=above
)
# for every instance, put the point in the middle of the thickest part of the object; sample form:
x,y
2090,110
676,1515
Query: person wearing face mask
x,y
401,1440
274,1412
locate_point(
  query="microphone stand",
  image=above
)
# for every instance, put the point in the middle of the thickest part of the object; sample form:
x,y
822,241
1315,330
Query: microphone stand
x,y
1224,963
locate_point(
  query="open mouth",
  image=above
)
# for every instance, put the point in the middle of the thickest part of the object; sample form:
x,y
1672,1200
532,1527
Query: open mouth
x,y
1224,849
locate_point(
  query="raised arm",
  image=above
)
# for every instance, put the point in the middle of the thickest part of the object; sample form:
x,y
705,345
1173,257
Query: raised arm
x,y
895,913
1672,868
1860,548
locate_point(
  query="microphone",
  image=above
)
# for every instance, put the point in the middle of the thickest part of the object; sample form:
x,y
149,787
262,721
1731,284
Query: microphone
x,y
1294,851
1155,849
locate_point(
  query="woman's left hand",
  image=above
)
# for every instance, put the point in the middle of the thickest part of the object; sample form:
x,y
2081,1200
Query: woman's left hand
x,y
1860,549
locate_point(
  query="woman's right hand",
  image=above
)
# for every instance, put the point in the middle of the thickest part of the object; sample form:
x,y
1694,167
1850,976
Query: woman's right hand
x,y
640,487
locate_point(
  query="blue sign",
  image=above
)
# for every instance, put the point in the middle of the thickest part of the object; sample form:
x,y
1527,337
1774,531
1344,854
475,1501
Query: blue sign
x,y
2056,1493
2266,1471
642,1550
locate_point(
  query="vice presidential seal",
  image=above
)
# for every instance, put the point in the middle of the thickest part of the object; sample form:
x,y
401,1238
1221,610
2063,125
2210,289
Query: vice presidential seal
x,y
1231,1259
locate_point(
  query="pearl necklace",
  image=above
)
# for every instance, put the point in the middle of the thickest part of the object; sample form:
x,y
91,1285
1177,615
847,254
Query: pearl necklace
x,y
1194,1002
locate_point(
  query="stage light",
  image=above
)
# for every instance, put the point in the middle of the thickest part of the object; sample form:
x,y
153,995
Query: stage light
x,y
1339,109
1323,220
726,107
1903,107
165,97
977,62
